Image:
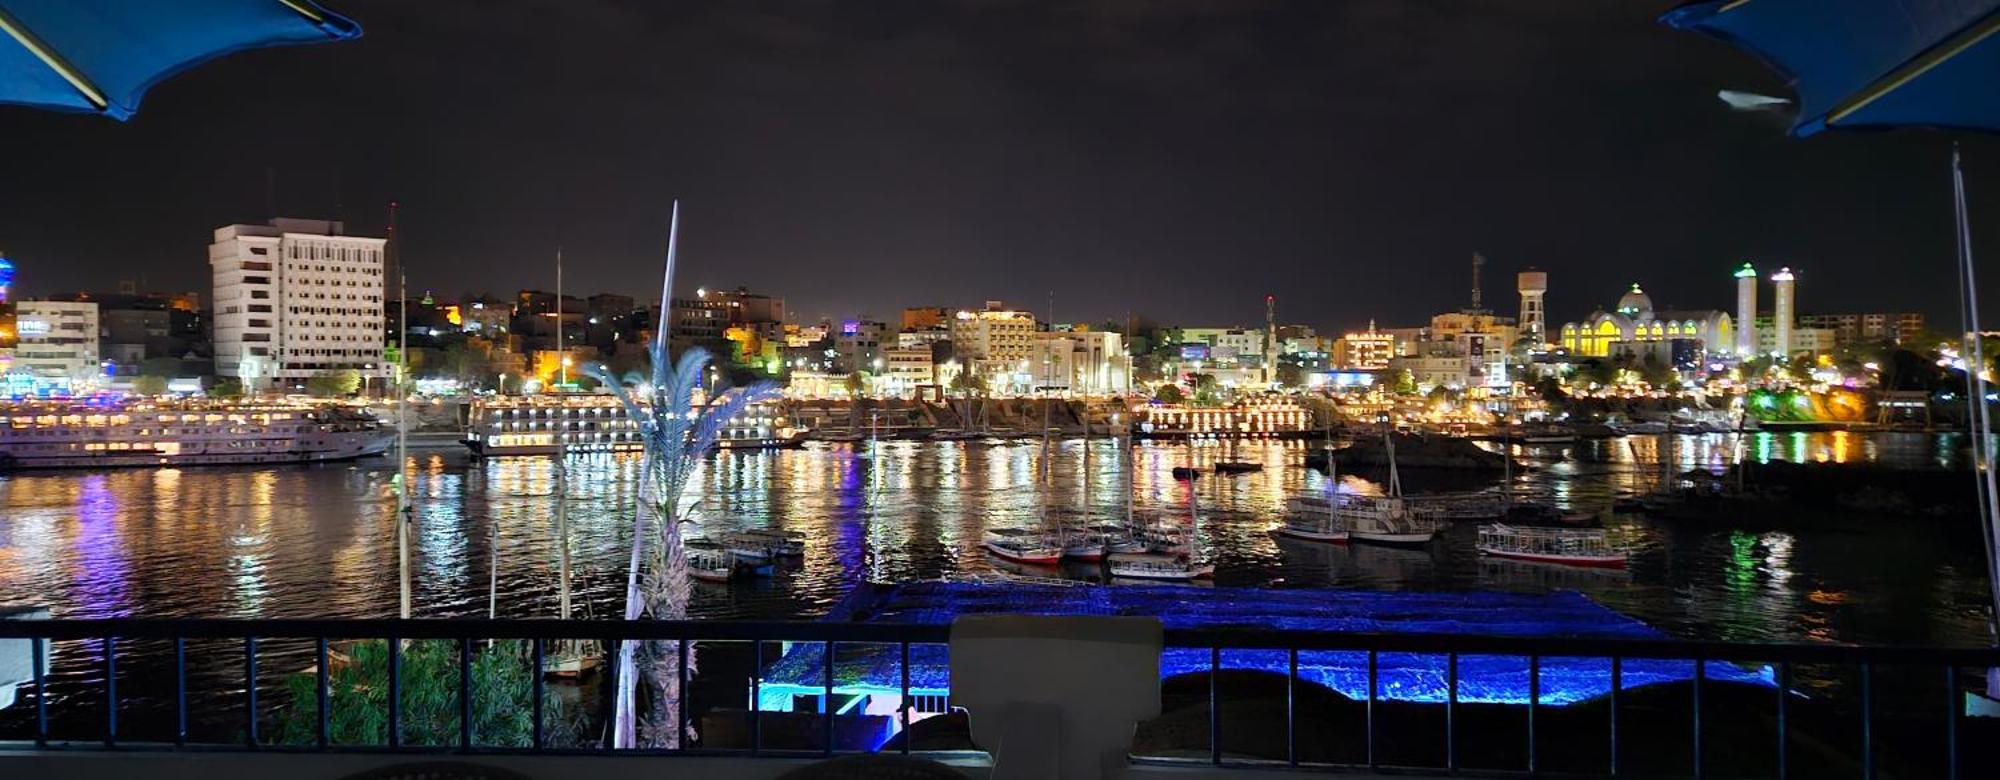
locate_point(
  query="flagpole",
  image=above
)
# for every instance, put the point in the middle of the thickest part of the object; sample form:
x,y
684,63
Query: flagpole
x,y
1979,420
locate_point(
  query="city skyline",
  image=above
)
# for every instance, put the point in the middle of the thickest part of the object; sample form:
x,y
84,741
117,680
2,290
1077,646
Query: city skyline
x,y
1180,163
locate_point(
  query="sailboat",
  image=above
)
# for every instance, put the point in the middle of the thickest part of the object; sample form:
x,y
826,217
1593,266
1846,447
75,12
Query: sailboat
x,y
1082,543
1312,517
569,657
1037,546
1387,520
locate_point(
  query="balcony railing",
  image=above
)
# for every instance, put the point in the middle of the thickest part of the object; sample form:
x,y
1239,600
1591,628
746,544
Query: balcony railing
x,y
1424,674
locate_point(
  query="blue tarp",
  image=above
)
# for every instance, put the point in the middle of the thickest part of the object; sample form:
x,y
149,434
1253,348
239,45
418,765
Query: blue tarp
x,y
1869,63
1400,676
120,48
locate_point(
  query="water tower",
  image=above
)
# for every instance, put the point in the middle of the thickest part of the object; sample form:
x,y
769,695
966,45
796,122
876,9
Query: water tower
x,y
1533,284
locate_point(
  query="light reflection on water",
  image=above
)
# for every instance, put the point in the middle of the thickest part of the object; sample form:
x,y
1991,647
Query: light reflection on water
x,y
318,541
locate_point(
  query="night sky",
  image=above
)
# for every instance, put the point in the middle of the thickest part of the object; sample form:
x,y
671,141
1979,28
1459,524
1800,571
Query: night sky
x,y
1176,160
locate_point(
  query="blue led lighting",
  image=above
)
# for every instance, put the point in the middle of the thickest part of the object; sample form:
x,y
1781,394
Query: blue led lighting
x,y
1410,677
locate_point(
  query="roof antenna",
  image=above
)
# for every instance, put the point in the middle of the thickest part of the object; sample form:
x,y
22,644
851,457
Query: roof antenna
x,y
1477,261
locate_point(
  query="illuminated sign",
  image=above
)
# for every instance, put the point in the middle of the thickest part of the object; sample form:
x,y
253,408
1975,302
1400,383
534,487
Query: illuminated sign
x,y
30,327
1194,351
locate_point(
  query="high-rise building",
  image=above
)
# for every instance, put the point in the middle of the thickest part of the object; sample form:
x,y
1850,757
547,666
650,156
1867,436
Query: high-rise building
x,y
1365,351
1746,310
859,344
1533,285
295,298
1880,326
994,340
1783,309
58,342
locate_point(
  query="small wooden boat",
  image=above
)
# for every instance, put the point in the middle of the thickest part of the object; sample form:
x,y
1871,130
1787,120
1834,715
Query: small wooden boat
x,y
710,565
1237,467
1083,547
1319,528
776,544
1153,566
1023,546
1566,546
1186,472
1119,539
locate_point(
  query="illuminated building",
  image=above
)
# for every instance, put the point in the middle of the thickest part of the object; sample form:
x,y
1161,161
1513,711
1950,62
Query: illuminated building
x,y
1437,370
1368,351
1852,328
922,338
710,313
300,297
57,342
906,368
1229,347
994,341
1092,362
859,344
1746,310
1784,310
1635,320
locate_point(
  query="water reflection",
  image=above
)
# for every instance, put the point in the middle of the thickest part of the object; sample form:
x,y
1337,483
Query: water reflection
x,y
297,541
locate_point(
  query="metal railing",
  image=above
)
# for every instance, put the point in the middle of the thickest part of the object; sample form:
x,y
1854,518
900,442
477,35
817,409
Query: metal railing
x,y
681,635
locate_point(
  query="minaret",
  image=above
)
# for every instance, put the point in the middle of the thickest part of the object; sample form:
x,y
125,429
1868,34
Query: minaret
x,y
1782,310
1746,311
1270,340
1533,284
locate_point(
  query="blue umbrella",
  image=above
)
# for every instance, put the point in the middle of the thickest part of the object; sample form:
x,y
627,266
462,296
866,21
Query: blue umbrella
x,y
1881,64
100,56
1869,63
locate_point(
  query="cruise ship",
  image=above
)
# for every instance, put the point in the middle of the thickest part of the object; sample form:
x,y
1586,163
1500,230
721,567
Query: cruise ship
x,y
37,435
596,422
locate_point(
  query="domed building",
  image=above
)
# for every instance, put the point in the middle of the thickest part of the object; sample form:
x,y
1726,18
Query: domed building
x,y
1634,320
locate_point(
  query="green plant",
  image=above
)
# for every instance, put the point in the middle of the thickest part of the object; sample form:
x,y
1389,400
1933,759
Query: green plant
x,y
357,705
150,385
333,383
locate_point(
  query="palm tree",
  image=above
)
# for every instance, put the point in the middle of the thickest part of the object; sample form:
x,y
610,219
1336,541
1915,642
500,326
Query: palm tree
x,y
677,434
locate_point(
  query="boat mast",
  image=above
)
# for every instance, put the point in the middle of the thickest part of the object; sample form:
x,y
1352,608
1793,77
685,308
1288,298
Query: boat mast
x,y
1395,480
403,513
561,476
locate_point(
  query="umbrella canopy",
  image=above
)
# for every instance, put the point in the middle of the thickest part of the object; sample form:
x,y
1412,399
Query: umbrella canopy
x,y
100,56
1869,63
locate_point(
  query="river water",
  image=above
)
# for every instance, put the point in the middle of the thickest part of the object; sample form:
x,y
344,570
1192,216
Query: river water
x,y
317,541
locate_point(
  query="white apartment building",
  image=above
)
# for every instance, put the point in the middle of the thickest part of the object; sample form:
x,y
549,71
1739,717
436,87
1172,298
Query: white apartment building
x,y
295,298
905,369
1092,362
1229,346
57,341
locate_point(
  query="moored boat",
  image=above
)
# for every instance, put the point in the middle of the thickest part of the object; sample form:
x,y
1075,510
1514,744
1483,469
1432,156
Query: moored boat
x,y
1567,546
1237,467
586,422
1022,546
1157,566
709,565
84,435
1313,528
